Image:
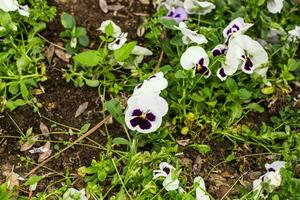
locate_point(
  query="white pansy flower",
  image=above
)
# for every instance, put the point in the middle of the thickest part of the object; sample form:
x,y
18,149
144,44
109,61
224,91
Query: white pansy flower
x,y
116,29
235,27
13,5
190,36
294,34
275,6
118,42
144,112
73,194
269,181
153,84
166,170
246,54
198,7
200,189
197,59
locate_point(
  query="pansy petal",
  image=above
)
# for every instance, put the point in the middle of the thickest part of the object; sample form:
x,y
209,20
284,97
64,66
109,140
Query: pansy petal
x,y
275,6
233,59
190,36
192,56
220,49
116,29
221,74
275,166
9,5
159,173
141,51
170,184
118,42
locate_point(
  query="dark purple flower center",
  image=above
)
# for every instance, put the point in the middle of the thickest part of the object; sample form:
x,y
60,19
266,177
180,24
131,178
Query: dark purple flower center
x,y
248,64
200,68
178,14
271,170
222,72
142,119
233,29
151,77
118,41
217,52
167,170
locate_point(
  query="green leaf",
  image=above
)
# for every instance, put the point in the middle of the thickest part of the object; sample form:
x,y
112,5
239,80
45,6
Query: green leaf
x,y
255,107
120,140
236,110
124,52
84,40
230,157
11,105
244,94
201,148
33,180
231,85
109,30
4,193
67,20
89,58
114,107
92,83
84,128
24,91
181,74
13,88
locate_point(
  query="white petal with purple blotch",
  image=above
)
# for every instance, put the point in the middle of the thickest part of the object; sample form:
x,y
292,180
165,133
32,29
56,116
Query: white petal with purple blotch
x,y
220,49
294,34
13,5
247,54
236,27
170,184
171,4
164,170
118,42
221,74
197,59
190,36
275,6
116,29
198,7
153,84
275,166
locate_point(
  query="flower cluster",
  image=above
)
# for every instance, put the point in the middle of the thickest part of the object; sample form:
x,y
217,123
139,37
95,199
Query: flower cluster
x,y
13,5
171,182
179,10
269,181
145,108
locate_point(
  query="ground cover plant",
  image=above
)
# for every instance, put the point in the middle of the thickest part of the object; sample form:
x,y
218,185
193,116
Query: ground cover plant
x,y
166,99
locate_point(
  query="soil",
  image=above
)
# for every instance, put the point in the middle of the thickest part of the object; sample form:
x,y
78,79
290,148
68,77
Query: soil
x,y
61,100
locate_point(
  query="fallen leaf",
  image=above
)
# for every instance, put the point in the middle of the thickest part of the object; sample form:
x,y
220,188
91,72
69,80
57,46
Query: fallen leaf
x,y
50,52
41,149
81,109
27,145
140,31
12,180
183,142
103,5
63,55
44,129
115,7
145,2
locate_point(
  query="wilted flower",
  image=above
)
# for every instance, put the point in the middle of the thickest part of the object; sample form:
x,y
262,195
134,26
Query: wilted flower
x,y
269,181
166,170
118,42
177,14
140,52
197,59
13,5
73,194
190,36
116,29
245,53
198,7
294,34
152,85
219,50
235,27
200,189
274,35
144,112
275,6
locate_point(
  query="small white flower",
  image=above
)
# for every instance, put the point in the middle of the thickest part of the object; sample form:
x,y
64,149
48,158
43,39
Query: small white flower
x,y
294,34
275,6
200,189
13,5
152,85
197,59
73,194
235,27
118,42
165,170
198,7
144,112
190,36
269,181
246,54
116,29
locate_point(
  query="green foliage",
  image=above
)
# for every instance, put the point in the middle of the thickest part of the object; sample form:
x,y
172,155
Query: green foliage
x,y
72,34
21,55
4,194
